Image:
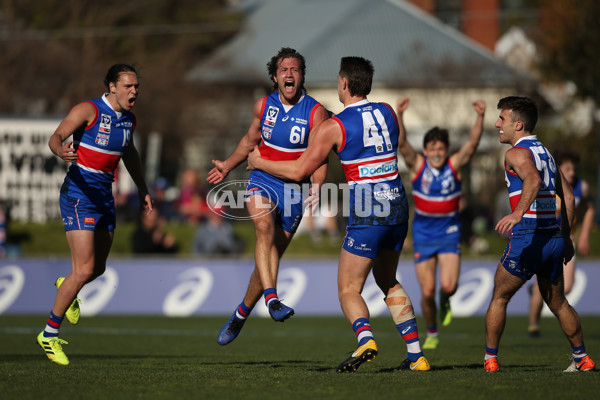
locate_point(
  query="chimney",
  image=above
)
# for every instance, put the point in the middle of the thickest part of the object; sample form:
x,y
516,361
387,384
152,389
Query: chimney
x,y
426,5
480,21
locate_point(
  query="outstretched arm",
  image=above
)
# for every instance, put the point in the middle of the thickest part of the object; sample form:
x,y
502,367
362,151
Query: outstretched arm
x,y
250,140
326,137
411,157
318,177
464,155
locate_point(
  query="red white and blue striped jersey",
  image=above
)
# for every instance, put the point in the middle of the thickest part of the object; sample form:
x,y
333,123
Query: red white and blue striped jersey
x,y
541,215
436,193
99,147
285,133
368,154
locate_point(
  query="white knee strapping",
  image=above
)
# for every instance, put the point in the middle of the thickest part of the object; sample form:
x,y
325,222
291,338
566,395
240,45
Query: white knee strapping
x,y
400,306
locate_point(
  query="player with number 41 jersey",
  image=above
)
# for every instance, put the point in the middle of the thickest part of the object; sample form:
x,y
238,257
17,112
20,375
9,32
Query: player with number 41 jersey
x,y
369,158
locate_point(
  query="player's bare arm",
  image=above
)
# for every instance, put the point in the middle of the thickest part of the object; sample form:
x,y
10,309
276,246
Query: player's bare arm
x,y
519,161
318,177
412,159
567,213
587,222
80,116
327,136
131,160
463,156
250,140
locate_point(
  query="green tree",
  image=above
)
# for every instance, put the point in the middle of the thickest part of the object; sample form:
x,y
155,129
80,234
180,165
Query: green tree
x,y
568,41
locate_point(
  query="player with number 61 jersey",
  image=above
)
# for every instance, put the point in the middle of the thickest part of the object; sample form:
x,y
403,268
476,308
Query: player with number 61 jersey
x,y
369,158
541,215
285,129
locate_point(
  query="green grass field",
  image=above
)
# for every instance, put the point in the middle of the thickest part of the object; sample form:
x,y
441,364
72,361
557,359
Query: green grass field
x,y
141,357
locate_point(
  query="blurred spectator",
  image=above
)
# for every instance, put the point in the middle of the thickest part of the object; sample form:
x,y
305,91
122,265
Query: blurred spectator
x,y
322,221
2,233
150,236
215,236
162,199
192,204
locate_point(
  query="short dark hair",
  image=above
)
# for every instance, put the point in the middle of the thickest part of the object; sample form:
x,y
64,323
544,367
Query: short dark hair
x,y
112,76
359,73
560,156
436,134
523,109
286,52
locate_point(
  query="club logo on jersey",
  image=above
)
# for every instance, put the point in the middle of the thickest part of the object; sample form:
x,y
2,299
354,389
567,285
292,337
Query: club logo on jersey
x,y
378,169
271,117
266,132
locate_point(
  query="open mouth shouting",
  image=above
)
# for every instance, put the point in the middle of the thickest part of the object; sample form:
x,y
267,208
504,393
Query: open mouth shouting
x,y
289,86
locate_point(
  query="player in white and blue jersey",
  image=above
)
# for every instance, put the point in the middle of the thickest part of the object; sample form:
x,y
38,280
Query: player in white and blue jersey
x,y
282,124
101,131
365,137
436,189
538,244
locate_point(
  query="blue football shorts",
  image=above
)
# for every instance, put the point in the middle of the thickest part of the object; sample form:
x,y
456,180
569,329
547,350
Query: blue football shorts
x,y
423,251
288,200
84,214
530,254
369,240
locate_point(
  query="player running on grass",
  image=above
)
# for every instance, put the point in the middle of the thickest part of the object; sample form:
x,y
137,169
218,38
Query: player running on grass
x,y
365,137
436,188
538,244
102,131
283,121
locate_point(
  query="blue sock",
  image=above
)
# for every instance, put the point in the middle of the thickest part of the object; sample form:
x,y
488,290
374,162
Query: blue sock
x,y
362,329
270,295
578,352
242,311
409,332
52,325
490,353
432,330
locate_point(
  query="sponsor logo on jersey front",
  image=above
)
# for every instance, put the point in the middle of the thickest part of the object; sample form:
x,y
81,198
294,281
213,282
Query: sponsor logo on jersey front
x,y
378,169
544,204
102,139
300,121
387,193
